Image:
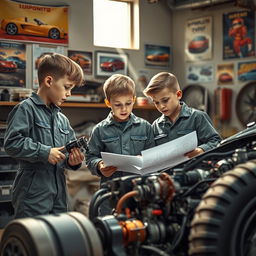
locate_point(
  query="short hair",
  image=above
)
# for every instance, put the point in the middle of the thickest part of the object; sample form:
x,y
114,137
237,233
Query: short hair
x,y
161,81
117,85
57,66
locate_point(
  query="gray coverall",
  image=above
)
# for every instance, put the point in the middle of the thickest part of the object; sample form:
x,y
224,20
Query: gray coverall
x,y
189,120
33,129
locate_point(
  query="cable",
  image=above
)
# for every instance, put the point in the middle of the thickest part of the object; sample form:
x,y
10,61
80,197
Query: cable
x,y
154,249
197,161
93,200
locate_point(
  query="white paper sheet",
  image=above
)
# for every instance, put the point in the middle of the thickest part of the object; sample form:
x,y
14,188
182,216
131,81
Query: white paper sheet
x,y
154,159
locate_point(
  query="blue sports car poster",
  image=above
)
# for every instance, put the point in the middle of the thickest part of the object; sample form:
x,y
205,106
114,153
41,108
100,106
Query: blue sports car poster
x,y
238,34
157,55
12,64
198,39
246,71
33,23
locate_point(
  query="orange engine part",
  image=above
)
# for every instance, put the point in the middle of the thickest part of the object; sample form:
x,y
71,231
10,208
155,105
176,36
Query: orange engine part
x,y
133,231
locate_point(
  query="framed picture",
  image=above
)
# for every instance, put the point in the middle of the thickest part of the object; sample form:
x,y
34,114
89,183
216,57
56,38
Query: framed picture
x,y
109,63
84,59
157,56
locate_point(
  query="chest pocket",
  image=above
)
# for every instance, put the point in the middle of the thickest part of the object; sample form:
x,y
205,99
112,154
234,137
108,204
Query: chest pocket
x,y
42,132
161,138
112,144
139,143
64,135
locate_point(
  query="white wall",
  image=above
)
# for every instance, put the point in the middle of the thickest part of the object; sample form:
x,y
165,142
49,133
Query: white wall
x,y
155,20
178,34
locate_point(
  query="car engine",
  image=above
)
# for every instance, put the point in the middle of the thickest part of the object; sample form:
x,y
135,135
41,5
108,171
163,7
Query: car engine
x,y
206,206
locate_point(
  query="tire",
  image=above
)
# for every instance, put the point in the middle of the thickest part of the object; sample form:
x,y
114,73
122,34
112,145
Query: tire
x,y
54,33
52,235
225,220
11,29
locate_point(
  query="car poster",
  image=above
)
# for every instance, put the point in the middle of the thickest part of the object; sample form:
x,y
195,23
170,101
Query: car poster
x,y
84,59
198,39
37,52
157,56
246,71
238,34
33,23
225,74
200,73
12,64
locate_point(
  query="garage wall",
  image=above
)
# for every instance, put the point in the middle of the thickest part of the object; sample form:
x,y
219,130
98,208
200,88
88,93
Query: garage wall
x,y
178,34
155,20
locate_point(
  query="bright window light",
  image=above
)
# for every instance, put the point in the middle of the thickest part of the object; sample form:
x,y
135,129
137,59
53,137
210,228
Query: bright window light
x,y
114,24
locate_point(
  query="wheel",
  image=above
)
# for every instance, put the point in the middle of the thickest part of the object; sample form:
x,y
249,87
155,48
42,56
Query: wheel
x,y
114,69
54,33
225,220
246,103
52,235
11,29
196,96
17,239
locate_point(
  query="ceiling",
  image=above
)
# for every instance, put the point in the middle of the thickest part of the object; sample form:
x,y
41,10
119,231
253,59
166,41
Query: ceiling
x,y
199,4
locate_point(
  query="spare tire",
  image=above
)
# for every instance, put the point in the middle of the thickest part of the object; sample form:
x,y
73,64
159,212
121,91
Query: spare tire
x,y
225,220
52,235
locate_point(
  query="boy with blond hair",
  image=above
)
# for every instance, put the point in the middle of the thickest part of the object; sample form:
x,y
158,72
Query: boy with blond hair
x,y
36,135
121,132
177,118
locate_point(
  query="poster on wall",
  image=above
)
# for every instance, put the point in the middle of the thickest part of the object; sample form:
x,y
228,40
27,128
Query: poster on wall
x,y
84,59
109,63
12,64
238,34
200,73
198,39
33,23
157,56
246,71
225,73
37,52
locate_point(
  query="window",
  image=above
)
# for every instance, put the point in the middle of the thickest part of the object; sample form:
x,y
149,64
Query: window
x,y
116,23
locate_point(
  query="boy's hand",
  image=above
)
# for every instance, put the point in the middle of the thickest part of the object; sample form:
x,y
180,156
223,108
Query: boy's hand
x,y
195,152
75,157
56,155
106,171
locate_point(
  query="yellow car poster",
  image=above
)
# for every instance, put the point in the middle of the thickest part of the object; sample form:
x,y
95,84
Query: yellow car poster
x,y
33,23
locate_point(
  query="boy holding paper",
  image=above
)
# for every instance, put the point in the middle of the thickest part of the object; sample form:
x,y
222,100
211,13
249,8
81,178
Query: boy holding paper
x,y
121,132
177,118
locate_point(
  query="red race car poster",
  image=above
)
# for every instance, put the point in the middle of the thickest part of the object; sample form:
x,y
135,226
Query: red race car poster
x,y
238,34
33,23
12,64
198,39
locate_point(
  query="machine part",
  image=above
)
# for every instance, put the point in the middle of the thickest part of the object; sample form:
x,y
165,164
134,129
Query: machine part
x,y
111,235
123,199
246,104
133,231
78,143
227,210
50,235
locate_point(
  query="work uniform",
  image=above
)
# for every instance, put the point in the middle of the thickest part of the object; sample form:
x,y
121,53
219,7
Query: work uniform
x,y
126,138
189,120
33,129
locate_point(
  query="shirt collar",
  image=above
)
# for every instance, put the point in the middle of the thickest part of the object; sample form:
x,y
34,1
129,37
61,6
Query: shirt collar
x,y
111,121
184,112
38,101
